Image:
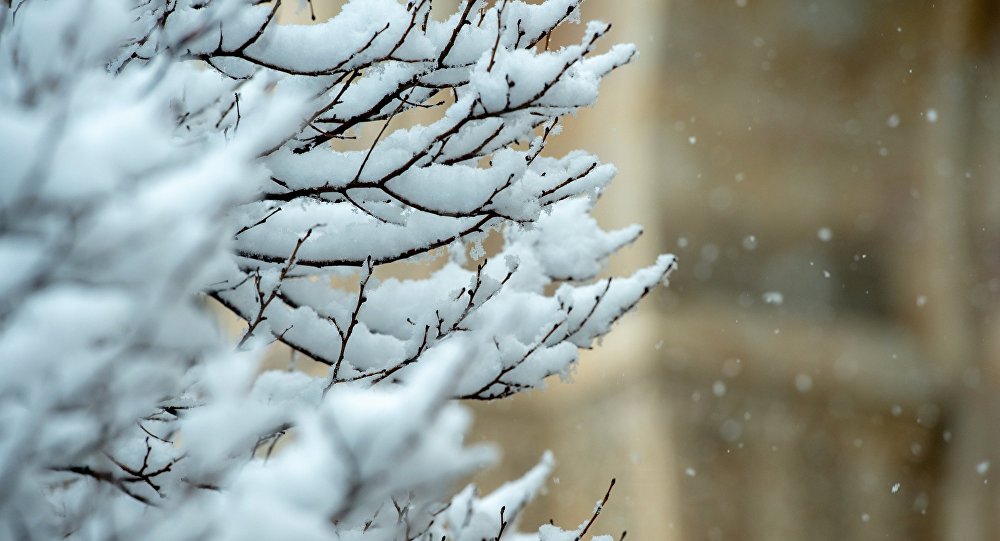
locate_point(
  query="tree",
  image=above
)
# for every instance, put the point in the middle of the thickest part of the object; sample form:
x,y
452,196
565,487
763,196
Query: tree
x,y
160,152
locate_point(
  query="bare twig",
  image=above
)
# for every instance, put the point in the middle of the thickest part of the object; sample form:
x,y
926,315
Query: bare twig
x,y
597,512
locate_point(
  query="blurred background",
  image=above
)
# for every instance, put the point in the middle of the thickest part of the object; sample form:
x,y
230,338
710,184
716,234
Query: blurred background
x,y
826,362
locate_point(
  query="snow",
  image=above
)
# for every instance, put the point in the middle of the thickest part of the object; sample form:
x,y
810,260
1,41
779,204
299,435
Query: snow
x,y
198,149
773,297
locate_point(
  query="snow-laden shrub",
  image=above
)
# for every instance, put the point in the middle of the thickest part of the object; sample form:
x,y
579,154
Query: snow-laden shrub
x,y
159,152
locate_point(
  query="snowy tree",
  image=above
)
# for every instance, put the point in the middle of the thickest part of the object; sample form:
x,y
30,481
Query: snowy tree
x,y
158,154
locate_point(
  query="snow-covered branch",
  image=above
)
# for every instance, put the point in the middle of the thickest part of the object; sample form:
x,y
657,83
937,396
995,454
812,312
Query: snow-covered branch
x,y
160,151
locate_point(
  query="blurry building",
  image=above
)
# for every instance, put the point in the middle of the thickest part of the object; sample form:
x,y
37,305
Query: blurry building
x,y
826,363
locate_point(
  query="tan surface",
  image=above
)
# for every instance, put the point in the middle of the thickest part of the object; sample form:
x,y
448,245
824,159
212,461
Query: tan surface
x,y
880,366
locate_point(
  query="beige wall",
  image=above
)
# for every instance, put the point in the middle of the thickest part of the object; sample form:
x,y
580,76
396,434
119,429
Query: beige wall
x,y
778,118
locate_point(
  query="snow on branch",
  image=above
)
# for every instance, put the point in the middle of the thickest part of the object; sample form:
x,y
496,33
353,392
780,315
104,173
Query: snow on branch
x,y
160,151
